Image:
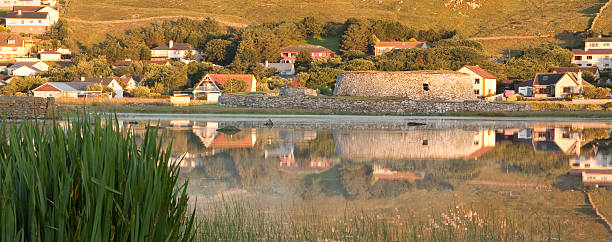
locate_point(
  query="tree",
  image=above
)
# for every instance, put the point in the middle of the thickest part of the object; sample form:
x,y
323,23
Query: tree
x,y
218,51
356,37
23,85
140,92
596,92
234,86
588,76
359,65
303,60
312,27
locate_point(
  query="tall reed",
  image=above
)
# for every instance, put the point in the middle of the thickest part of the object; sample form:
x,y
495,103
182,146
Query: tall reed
x,y
88,180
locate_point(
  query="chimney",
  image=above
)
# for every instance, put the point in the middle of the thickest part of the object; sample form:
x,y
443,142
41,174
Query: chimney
x,y
82,78
19,12
267,64
171,44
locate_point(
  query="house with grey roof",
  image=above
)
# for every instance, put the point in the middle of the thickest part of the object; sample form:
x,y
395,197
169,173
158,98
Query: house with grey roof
x,y
283,69
174,51
78,88
28,22
8,4
27,68
558,85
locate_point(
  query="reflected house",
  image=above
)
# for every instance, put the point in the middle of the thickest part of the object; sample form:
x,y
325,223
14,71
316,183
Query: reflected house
x,y
413,144
318,164
189,161
595,170
560,140
210,138
380,172
285,152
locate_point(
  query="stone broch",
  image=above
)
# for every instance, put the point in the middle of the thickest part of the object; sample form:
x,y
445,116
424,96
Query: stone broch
x,y
414,85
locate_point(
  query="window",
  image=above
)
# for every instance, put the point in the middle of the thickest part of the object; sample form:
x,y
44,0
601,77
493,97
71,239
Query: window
x,y
589,64
477,92
477,81
567,90
566,135
589,57
426,87
578,58
11,41
425,142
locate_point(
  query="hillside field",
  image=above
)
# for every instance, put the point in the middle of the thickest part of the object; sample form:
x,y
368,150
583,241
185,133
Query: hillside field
x,y
92,19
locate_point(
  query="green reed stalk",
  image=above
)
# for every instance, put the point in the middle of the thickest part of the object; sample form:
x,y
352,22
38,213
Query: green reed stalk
x,y
89,180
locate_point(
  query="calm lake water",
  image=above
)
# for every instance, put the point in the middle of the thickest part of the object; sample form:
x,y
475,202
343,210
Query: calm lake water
x,y
537,172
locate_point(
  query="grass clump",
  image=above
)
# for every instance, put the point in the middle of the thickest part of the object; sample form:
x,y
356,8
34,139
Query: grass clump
x,y
88,180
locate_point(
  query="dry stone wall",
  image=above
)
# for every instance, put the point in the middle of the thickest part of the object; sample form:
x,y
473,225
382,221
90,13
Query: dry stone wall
x,y
367,106
26,107
414,85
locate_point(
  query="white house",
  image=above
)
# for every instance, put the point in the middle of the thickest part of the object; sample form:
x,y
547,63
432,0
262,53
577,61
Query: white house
x,y
112,82
28,22
174,51
485,83
597,52
66,90
284,69
53,13
29,68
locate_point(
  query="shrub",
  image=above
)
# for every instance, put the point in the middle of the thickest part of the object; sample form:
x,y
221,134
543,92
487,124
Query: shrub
x,y
323,90
608,105
89,181
596,92
140,92
234,86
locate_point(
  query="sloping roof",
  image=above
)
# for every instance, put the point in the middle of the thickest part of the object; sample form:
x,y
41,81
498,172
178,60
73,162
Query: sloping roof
x,y
401,44
590,69
105,81
29,64
5,37
481,72
27,15
600,39
27,8
547,78
592,52
222,140
306,48
220,79
175,46
126,80
62,86
147,62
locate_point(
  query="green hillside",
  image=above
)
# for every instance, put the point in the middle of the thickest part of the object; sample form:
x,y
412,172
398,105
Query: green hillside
x,y
490,18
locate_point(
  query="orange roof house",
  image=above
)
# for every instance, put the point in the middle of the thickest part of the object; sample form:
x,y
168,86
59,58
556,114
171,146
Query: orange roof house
x,y
484,82
213,83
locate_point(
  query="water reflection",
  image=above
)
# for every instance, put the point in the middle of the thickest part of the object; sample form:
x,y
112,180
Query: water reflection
x,y
420,156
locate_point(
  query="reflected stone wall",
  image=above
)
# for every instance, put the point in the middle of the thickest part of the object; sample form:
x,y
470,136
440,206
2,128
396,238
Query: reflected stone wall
x,y
414,144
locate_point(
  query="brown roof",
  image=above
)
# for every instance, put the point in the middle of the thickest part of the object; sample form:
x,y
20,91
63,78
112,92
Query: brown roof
x,y
600,39
401,44
523,84
175,46
126,80
590,69
49,52
47,88
5,37
220,79
592,52
306,48
481,72
27,8
28,15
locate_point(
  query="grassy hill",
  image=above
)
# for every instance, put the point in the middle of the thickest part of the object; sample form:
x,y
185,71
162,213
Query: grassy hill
x,y
482,18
